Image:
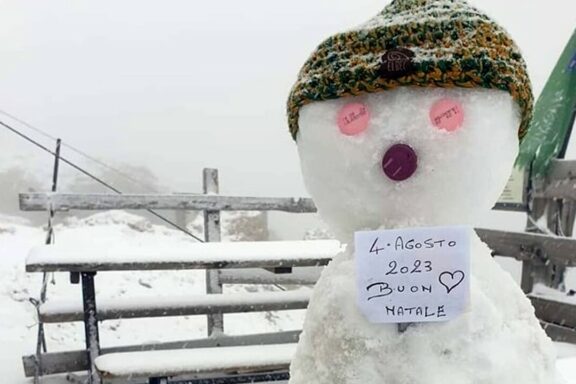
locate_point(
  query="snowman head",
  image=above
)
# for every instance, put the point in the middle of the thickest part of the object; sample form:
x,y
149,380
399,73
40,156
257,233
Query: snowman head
x,y
411,119
408,157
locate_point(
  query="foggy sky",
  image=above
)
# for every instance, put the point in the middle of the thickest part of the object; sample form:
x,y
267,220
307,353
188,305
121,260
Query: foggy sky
x,y
180,85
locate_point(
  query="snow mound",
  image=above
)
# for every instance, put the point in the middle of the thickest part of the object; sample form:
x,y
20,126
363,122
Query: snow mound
x,y
497,340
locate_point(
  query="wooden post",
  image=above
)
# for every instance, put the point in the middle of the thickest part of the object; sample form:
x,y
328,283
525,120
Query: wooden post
x,y
536,209
41,341
567,217
211,234
560,222
560,215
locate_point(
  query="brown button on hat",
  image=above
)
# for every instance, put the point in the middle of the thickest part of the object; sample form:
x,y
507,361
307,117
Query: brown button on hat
x,y
396,63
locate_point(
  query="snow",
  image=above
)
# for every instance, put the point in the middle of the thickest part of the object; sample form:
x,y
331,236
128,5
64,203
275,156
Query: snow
x,y
480,345
567,367
191,255
158,363
460,175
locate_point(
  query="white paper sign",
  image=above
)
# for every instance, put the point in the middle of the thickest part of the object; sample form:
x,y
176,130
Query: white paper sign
x,y
414,274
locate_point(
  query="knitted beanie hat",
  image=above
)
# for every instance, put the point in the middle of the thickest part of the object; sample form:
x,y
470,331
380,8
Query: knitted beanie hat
x,y
427,43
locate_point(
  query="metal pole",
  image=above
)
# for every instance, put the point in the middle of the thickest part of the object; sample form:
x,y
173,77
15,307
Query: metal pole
x,y
212,233
41,337
91,325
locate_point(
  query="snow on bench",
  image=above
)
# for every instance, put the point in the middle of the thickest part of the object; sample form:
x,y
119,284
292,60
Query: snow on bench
x,y
122,308
52,258
253,358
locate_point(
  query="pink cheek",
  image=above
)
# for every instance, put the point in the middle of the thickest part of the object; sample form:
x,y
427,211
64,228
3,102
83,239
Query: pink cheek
x,y
353,119
447,114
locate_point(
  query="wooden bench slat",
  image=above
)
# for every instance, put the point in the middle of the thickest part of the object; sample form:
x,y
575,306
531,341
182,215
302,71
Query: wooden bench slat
x,y
200,202
52,258
254,358
126,308
74,361
298,276
556,312
559,333
520,245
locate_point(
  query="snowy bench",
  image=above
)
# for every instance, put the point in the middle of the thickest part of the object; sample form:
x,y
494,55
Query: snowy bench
x,y
247,257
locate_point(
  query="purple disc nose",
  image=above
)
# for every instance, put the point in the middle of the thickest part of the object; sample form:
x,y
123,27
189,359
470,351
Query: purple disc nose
x,y
399,162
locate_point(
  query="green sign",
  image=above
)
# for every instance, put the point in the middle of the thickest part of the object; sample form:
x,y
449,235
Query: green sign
x,y
553,118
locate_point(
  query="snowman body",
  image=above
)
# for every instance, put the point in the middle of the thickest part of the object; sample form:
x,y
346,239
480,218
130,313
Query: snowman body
x,y
459,173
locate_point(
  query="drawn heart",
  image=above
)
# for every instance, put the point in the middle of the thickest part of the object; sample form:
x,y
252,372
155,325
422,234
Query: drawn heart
x,y
451,280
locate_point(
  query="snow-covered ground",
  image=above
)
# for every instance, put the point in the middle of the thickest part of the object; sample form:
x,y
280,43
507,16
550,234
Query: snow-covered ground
x,y
17,315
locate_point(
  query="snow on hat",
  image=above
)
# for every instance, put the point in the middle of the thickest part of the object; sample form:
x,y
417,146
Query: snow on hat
x,y
427,43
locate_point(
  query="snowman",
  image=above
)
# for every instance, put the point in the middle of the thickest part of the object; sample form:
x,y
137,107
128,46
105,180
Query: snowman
x,y
414,120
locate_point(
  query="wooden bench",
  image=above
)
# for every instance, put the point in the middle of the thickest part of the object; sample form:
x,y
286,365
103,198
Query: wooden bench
x,y
51,258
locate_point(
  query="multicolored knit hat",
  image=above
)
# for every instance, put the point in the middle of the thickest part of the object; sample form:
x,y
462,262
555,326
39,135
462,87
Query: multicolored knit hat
x,y
427,43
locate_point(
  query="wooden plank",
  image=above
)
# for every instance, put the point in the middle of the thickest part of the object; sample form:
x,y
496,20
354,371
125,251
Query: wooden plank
x,y
74,361
559,333
168,363
186,256
92,201
526,246
164,266
298,276
560,181
555,312
561,169
129,308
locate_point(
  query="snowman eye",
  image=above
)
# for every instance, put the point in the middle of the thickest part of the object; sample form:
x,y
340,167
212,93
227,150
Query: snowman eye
x,y
353,119
447,114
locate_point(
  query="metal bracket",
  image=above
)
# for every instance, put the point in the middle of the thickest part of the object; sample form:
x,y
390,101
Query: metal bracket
x,y
74,277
